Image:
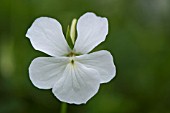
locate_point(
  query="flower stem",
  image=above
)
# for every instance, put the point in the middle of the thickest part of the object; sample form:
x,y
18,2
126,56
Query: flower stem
x,y
63,107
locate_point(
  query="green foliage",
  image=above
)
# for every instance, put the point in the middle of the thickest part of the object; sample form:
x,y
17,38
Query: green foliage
x,y
139,39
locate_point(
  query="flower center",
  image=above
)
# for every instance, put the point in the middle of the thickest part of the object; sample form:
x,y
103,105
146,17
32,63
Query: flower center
x,y
72,61
71,55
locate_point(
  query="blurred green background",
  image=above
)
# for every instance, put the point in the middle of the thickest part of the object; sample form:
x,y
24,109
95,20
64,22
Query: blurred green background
x,y
139,39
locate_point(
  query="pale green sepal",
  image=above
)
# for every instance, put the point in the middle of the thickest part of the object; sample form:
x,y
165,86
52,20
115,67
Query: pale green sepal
x,y
73,30
68,38
68,32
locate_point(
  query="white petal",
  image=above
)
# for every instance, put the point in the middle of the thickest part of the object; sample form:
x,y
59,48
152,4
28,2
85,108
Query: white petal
x,y
44,72
91,31
77,85
46,35
102,61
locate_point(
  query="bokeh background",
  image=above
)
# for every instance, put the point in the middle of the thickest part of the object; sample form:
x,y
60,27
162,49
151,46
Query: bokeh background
x,y
139,39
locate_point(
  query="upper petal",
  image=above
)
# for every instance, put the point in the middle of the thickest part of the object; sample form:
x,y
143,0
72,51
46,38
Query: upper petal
x,y
91,31
102,61
46,35
77,85
44,72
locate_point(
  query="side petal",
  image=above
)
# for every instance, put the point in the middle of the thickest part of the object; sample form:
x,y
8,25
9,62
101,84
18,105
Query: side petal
x,y
46,35
102,61
44,72
78,84
91,31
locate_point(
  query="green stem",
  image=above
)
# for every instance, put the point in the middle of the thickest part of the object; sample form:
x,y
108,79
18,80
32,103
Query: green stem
x,y
63,107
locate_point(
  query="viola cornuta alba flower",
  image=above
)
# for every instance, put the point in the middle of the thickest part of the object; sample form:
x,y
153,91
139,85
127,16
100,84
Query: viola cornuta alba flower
x,y
74,75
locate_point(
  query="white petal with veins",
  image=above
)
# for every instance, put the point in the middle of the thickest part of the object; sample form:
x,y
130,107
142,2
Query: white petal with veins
x,y
44,72
77,85
102,61
91,31
46,35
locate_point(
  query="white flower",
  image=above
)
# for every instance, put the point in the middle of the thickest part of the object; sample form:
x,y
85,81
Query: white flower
x,y
73,75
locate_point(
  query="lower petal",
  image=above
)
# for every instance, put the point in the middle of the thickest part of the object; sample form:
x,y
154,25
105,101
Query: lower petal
x,y
45,71
77,85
